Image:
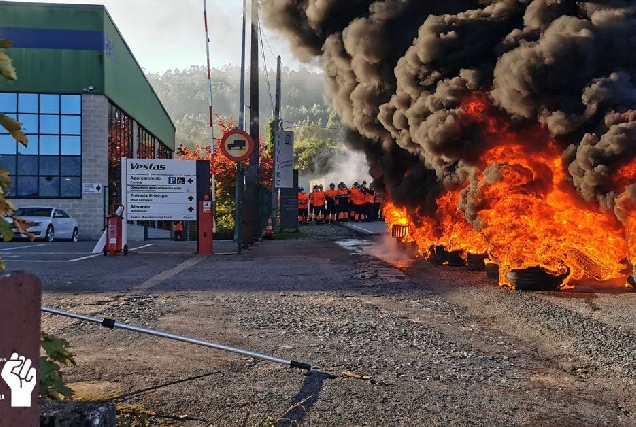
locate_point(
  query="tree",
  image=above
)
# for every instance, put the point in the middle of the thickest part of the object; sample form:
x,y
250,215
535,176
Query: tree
x,y
316,149
225,172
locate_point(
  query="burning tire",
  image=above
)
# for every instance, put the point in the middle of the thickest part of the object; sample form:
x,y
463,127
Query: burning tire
x,y
440,255
455,259
476,262
534,279
492,270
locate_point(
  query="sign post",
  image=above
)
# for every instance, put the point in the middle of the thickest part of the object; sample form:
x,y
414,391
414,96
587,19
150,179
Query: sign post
x,y
284,159
238,145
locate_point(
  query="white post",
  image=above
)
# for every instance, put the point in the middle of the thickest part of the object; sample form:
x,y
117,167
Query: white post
x,y
212,148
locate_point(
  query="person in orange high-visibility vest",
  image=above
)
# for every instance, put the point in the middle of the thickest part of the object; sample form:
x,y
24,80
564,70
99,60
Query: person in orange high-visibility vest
x,y
178,230
317,200
331,203
358,200
342,202
303,206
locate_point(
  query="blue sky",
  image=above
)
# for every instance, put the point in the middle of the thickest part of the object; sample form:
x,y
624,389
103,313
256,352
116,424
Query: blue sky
x,y
168,34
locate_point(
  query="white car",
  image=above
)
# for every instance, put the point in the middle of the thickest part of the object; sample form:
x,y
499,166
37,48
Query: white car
x,y
49,223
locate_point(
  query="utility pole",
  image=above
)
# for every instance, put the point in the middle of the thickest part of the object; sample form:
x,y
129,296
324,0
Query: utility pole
x,y
238,215
250,213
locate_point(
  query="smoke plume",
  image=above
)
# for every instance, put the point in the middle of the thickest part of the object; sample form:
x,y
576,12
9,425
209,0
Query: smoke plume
x,y
398,70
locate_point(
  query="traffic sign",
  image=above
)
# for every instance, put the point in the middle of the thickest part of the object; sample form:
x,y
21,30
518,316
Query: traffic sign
x,y
237,145
92,188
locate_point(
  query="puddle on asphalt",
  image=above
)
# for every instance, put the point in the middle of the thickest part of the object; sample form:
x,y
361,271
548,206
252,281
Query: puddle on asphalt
x,y
387,250
357,246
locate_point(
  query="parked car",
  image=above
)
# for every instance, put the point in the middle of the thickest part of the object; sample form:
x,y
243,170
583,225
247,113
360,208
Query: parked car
x,y
50,223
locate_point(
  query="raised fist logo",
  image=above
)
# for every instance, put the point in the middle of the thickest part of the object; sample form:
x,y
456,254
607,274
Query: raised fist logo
x,y
19,375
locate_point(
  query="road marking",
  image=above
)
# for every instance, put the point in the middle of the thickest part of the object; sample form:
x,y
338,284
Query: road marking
x,y
85,257
23,247
141,247
165,275
102,254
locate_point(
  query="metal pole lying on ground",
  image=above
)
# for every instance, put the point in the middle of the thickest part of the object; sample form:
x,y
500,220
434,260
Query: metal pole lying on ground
x,y
111,324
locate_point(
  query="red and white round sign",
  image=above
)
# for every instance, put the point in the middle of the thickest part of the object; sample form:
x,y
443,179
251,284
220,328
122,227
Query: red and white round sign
x,y
237,145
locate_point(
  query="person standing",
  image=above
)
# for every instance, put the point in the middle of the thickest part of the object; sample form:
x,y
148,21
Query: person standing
x,y
317,200
342,202
330,194
178,230
370,204
358,200
303,206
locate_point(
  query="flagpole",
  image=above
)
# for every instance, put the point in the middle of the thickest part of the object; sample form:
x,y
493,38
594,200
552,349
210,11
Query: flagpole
x,y
212,147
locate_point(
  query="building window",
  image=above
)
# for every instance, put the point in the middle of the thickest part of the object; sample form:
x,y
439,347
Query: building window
x,y
50,166
163,152
120,144
145,144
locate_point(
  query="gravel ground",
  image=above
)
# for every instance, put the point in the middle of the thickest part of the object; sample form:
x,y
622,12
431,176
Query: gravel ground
x,y
403,343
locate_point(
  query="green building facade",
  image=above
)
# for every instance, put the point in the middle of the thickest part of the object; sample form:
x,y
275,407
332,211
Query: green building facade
x,y
84,103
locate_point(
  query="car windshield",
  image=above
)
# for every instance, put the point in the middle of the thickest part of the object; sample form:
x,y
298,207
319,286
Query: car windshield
x,y
33,212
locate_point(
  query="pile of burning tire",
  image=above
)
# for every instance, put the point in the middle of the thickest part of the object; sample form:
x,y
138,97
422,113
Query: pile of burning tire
x,y
527,279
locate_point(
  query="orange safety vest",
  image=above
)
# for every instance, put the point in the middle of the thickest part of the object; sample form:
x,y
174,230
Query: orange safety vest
x,y
317,198
331,194
303,201
356,197
369,197
342,195
379,197
178,226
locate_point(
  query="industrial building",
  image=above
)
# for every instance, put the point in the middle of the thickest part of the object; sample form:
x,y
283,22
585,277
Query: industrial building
x,y
84,103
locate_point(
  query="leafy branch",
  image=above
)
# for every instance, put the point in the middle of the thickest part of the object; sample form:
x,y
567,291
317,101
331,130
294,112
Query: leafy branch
x,y
57,353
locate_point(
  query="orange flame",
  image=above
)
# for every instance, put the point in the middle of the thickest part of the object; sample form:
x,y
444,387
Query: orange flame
x,y
524,211
450,229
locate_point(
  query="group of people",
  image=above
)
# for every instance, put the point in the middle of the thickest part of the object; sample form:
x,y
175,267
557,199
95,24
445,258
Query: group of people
x,y
360,203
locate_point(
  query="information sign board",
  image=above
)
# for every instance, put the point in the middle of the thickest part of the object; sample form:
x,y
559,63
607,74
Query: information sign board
x,y
160,189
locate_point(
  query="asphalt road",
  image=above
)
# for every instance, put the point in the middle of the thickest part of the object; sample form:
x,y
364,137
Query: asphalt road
x,y
67,266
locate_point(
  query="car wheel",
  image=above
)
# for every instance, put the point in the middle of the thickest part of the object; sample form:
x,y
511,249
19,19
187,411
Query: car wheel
x,y
75,235
50,234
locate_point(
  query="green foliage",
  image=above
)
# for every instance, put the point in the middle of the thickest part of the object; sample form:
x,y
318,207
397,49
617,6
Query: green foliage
x,y
315,149
225,208
184,93
56,354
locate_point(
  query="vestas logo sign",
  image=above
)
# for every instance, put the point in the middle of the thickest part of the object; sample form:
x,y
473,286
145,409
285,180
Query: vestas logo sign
x,y
151,166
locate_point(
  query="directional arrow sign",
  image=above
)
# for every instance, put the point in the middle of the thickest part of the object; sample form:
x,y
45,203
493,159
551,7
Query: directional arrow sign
x,y
135,196
89,188
163,211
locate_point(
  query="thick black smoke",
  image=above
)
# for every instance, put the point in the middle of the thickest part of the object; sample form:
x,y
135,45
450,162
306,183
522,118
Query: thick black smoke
x,y
397,70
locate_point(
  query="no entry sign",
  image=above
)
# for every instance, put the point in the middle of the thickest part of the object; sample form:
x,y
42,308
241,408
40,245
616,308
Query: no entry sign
x,y
237,145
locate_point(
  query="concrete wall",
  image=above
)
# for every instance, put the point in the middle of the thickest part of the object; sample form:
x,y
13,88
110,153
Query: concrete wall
x,y
89,210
